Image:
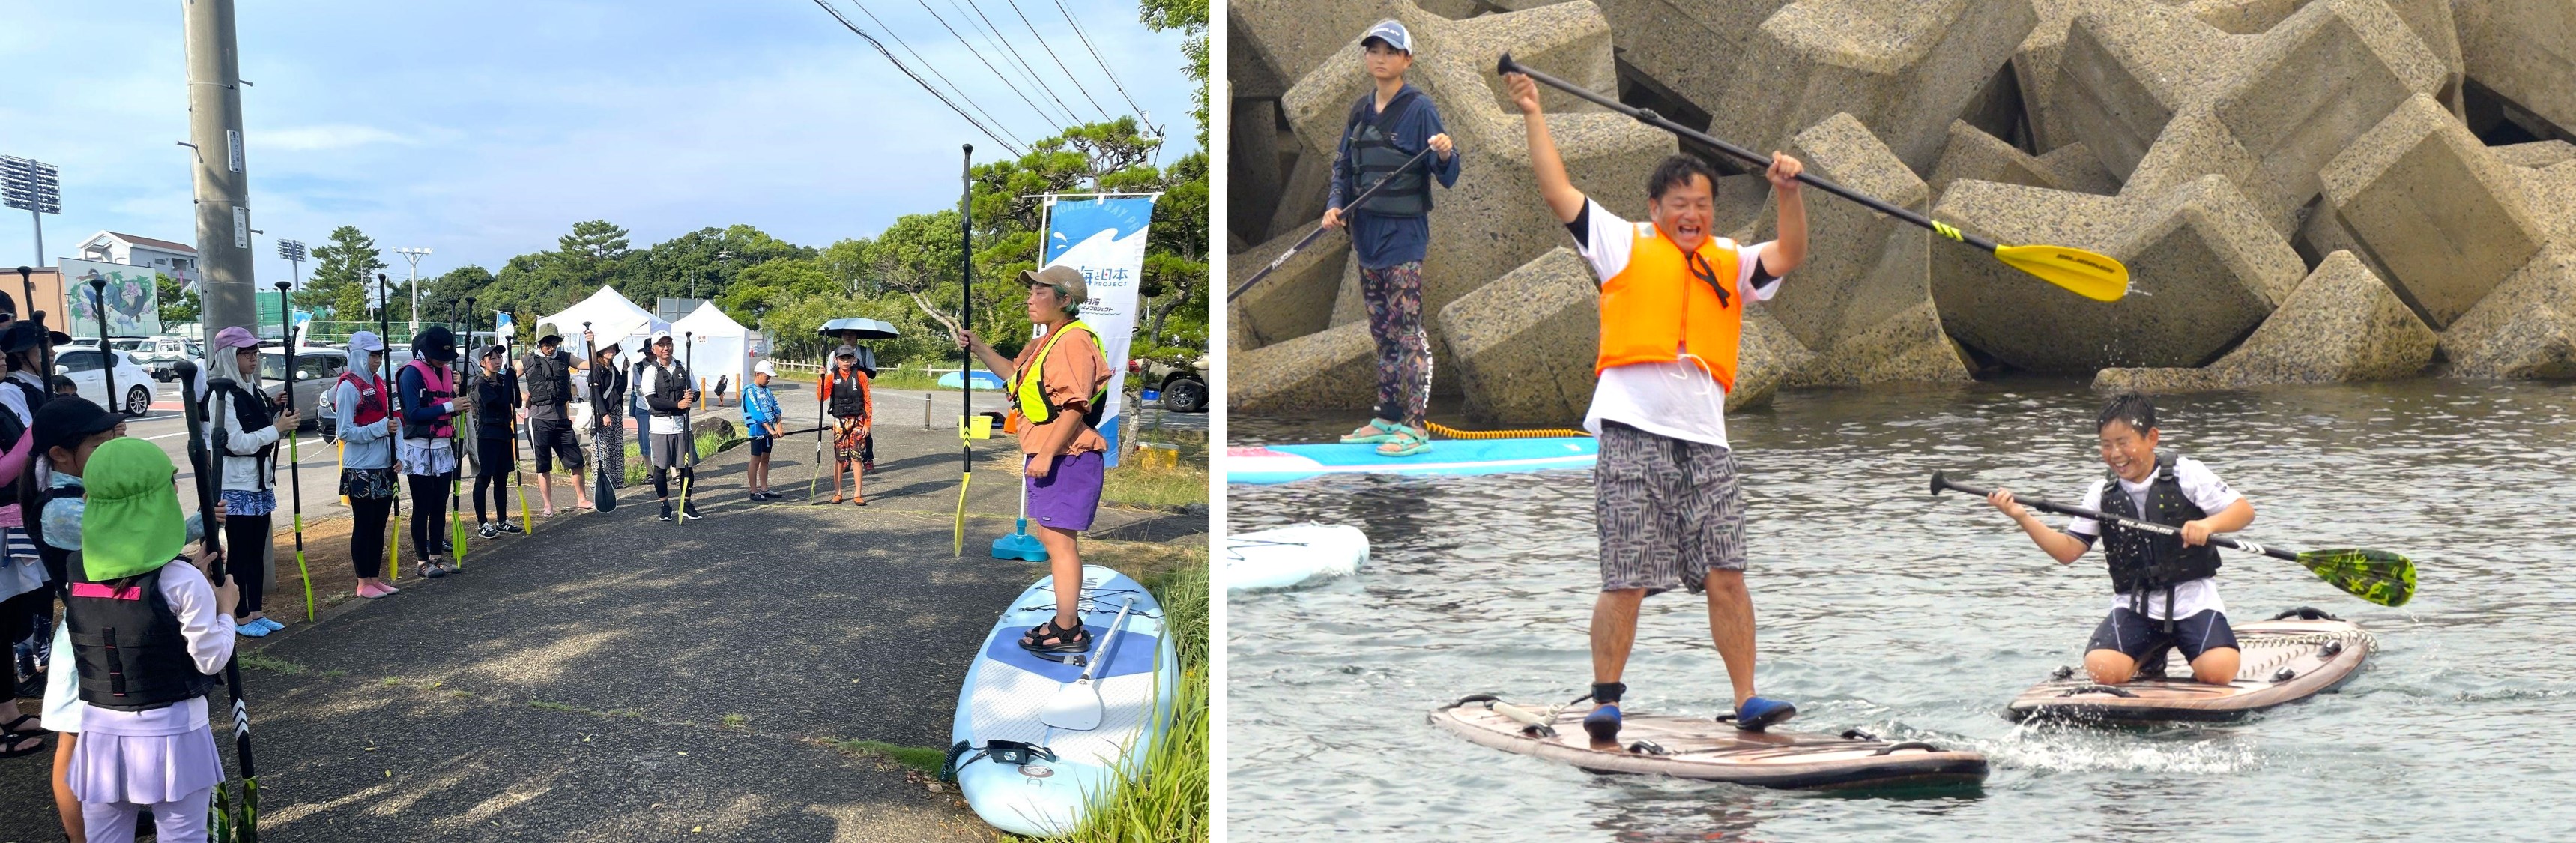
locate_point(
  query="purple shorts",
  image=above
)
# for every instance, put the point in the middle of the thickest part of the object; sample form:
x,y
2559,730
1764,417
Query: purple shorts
x,y
1070,493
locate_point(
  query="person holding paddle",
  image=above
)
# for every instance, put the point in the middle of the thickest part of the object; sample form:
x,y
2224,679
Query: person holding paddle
x,y
545,378
253,422
1059,387
496,407
1672,313
760,419
2166,585
608,418
847,394
1388,130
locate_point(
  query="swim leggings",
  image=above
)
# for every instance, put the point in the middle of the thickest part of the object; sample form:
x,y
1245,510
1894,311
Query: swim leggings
x,y
662,481
428,510
500,486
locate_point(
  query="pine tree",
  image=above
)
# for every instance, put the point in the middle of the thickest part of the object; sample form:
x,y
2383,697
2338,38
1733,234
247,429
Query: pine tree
x,y
344,275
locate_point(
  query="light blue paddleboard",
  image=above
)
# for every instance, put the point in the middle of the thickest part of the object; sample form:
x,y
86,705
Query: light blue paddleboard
x,y
1288,463
1007,688
983,380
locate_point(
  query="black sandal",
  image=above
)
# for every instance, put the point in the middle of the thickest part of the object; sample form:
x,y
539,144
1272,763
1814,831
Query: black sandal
x,y
1048,638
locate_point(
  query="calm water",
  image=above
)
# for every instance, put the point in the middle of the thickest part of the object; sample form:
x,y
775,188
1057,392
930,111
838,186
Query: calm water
x,y
1884,608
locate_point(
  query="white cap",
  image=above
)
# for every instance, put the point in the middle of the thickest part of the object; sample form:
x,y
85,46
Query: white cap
x,y
763,368
659,334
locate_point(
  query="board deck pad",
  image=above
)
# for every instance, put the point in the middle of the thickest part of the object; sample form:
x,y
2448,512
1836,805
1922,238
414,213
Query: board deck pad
x,y
1289,463
2320,656
1711,750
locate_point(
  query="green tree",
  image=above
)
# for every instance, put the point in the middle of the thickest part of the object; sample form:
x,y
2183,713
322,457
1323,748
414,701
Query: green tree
x,y
1191,18
344,271
444,297
176,305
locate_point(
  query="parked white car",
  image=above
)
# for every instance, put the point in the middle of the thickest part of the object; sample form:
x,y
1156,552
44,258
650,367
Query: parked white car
x,y
87,367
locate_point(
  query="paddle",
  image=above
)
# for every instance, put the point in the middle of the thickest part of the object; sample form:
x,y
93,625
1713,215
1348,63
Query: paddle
x,y
602,495
2378,576
1077,705
739,441
1309,239
688,433
206,457
385,366
2087,274
965,355
294,455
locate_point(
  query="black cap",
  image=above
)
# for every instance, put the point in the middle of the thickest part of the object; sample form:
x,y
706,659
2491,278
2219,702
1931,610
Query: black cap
x,y
21,336
495,350
438,343
66,420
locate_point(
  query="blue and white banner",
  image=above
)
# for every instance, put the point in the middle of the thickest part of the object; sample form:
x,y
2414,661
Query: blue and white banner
x,y
502,327
1105,238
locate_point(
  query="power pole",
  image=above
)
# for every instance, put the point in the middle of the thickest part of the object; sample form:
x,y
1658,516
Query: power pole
x,y
225,280
414,256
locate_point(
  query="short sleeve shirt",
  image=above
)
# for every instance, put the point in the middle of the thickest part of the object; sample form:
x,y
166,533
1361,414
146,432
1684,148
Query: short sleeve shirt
x,y
1073,373
2206,491
1672,399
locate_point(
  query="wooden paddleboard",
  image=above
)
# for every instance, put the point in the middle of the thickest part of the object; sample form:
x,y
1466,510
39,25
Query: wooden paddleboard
x,y
1712,750
2285,661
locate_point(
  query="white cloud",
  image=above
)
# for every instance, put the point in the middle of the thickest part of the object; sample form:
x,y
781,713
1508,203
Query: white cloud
x,y
321,138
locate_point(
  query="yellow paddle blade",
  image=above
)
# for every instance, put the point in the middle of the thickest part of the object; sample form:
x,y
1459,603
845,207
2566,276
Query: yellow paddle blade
x,y
959,550
2093,276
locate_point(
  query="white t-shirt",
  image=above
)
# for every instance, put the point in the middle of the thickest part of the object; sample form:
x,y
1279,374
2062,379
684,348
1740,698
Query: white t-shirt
x,y
2206,491
1675,398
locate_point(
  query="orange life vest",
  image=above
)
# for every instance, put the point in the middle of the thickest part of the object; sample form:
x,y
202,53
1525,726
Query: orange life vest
x,y
1657,310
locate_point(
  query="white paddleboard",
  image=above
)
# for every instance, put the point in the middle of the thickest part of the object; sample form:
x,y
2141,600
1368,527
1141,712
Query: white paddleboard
x,y
1288,557
1007,689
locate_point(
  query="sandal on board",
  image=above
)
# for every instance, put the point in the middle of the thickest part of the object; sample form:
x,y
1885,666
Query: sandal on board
x,y
1406,442
1050,638
1376,430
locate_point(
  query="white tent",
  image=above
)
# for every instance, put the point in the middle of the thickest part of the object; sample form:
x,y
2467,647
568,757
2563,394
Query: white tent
x,y
718,347
610,315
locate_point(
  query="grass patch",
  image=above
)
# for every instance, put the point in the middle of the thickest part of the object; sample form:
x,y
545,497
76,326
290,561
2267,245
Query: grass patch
x,y
271,664
925,759
1134,484
1168,800
637,472
736,721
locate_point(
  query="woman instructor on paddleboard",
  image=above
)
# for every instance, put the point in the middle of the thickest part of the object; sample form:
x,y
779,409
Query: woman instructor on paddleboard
x,y
1672,312
1058,389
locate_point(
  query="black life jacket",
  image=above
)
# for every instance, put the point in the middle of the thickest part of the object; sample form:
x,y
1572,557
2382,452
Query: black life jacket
x,y
128,645
1375,158
549,378
607,390
669,388
849,396
496,400
251,412
2144,560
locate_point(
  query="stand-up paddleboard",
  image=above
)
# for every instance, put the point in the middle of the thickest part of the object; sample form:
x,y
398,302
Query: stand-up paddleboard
x,y
1287,463
1288,557
1711,750
1026,777
2299,654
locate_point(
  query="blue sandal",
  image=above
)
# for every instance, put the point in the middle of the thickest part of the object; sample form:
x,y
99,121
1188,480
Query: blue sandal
x,y
1405,442
1757,714
1376,430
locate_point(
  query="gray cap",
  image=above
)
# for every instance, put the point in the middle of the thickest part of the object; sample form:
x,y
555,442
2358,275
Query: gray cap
x,y
1390,32
365,341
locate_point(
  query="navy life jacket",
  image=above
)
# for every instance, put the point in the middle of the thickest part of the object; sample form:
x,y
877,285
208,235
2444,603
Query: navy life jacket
x,y
127,643
1375,158
2142,560
849,398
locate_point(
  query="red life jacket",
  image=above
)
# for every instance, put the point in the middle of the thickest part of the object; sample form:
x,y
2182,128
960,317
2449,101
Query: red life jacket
x,y
434,389
372,406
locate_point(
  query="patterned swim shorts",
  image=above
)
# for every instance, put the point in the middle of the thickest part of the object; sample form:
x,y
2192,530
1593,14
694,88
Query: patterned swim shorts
x,y
1668,510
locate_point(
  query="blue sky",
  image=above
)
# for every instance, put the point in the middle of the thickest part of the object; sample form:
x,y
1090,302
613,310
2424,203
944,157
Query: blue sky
x,y
484,130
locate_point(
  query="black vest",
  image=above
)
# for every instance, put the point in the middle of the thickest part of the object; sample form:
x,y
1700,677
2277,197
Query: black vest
x,y
848,400
549,379
496,402
128,645
2141,559
1375,158
251,412
669,388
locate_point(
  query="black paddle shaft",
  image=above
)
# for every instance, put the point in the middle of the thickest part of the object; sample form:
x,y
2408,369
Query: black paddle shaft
x,y
206,456
1649,117
1309,239
1941,483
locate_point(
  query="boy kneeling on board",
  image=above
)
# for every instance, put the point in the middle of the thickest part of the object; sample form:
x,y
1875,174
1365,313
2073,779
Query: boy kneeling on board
x,y
2167,585
1672,314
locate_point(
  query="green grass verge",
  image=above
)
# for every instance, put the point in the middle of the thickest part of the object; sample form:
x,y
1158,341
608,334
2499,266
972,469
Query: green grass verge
x,y
925,759
1168,799
1134,484
637,472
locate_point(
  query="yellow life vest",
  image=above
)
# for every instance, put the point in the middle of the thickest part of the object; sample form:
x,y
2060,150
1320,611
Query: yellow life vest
x,y
1030,393
1657,309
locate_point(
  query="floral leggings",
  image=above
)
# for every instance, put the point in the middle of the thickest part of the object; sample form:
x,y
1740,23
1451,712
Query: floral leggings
x,y
1394,295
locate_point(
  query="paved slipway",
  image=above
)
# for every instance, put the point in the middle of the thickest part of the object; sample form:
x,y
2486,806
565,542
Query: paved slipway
x,y
576,684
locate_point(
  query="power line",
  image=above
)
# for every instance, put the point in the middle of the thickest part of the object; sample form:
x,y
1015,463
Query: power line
x,y
934,69
916,78
1071,118
988,65
1104,65
1059,60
